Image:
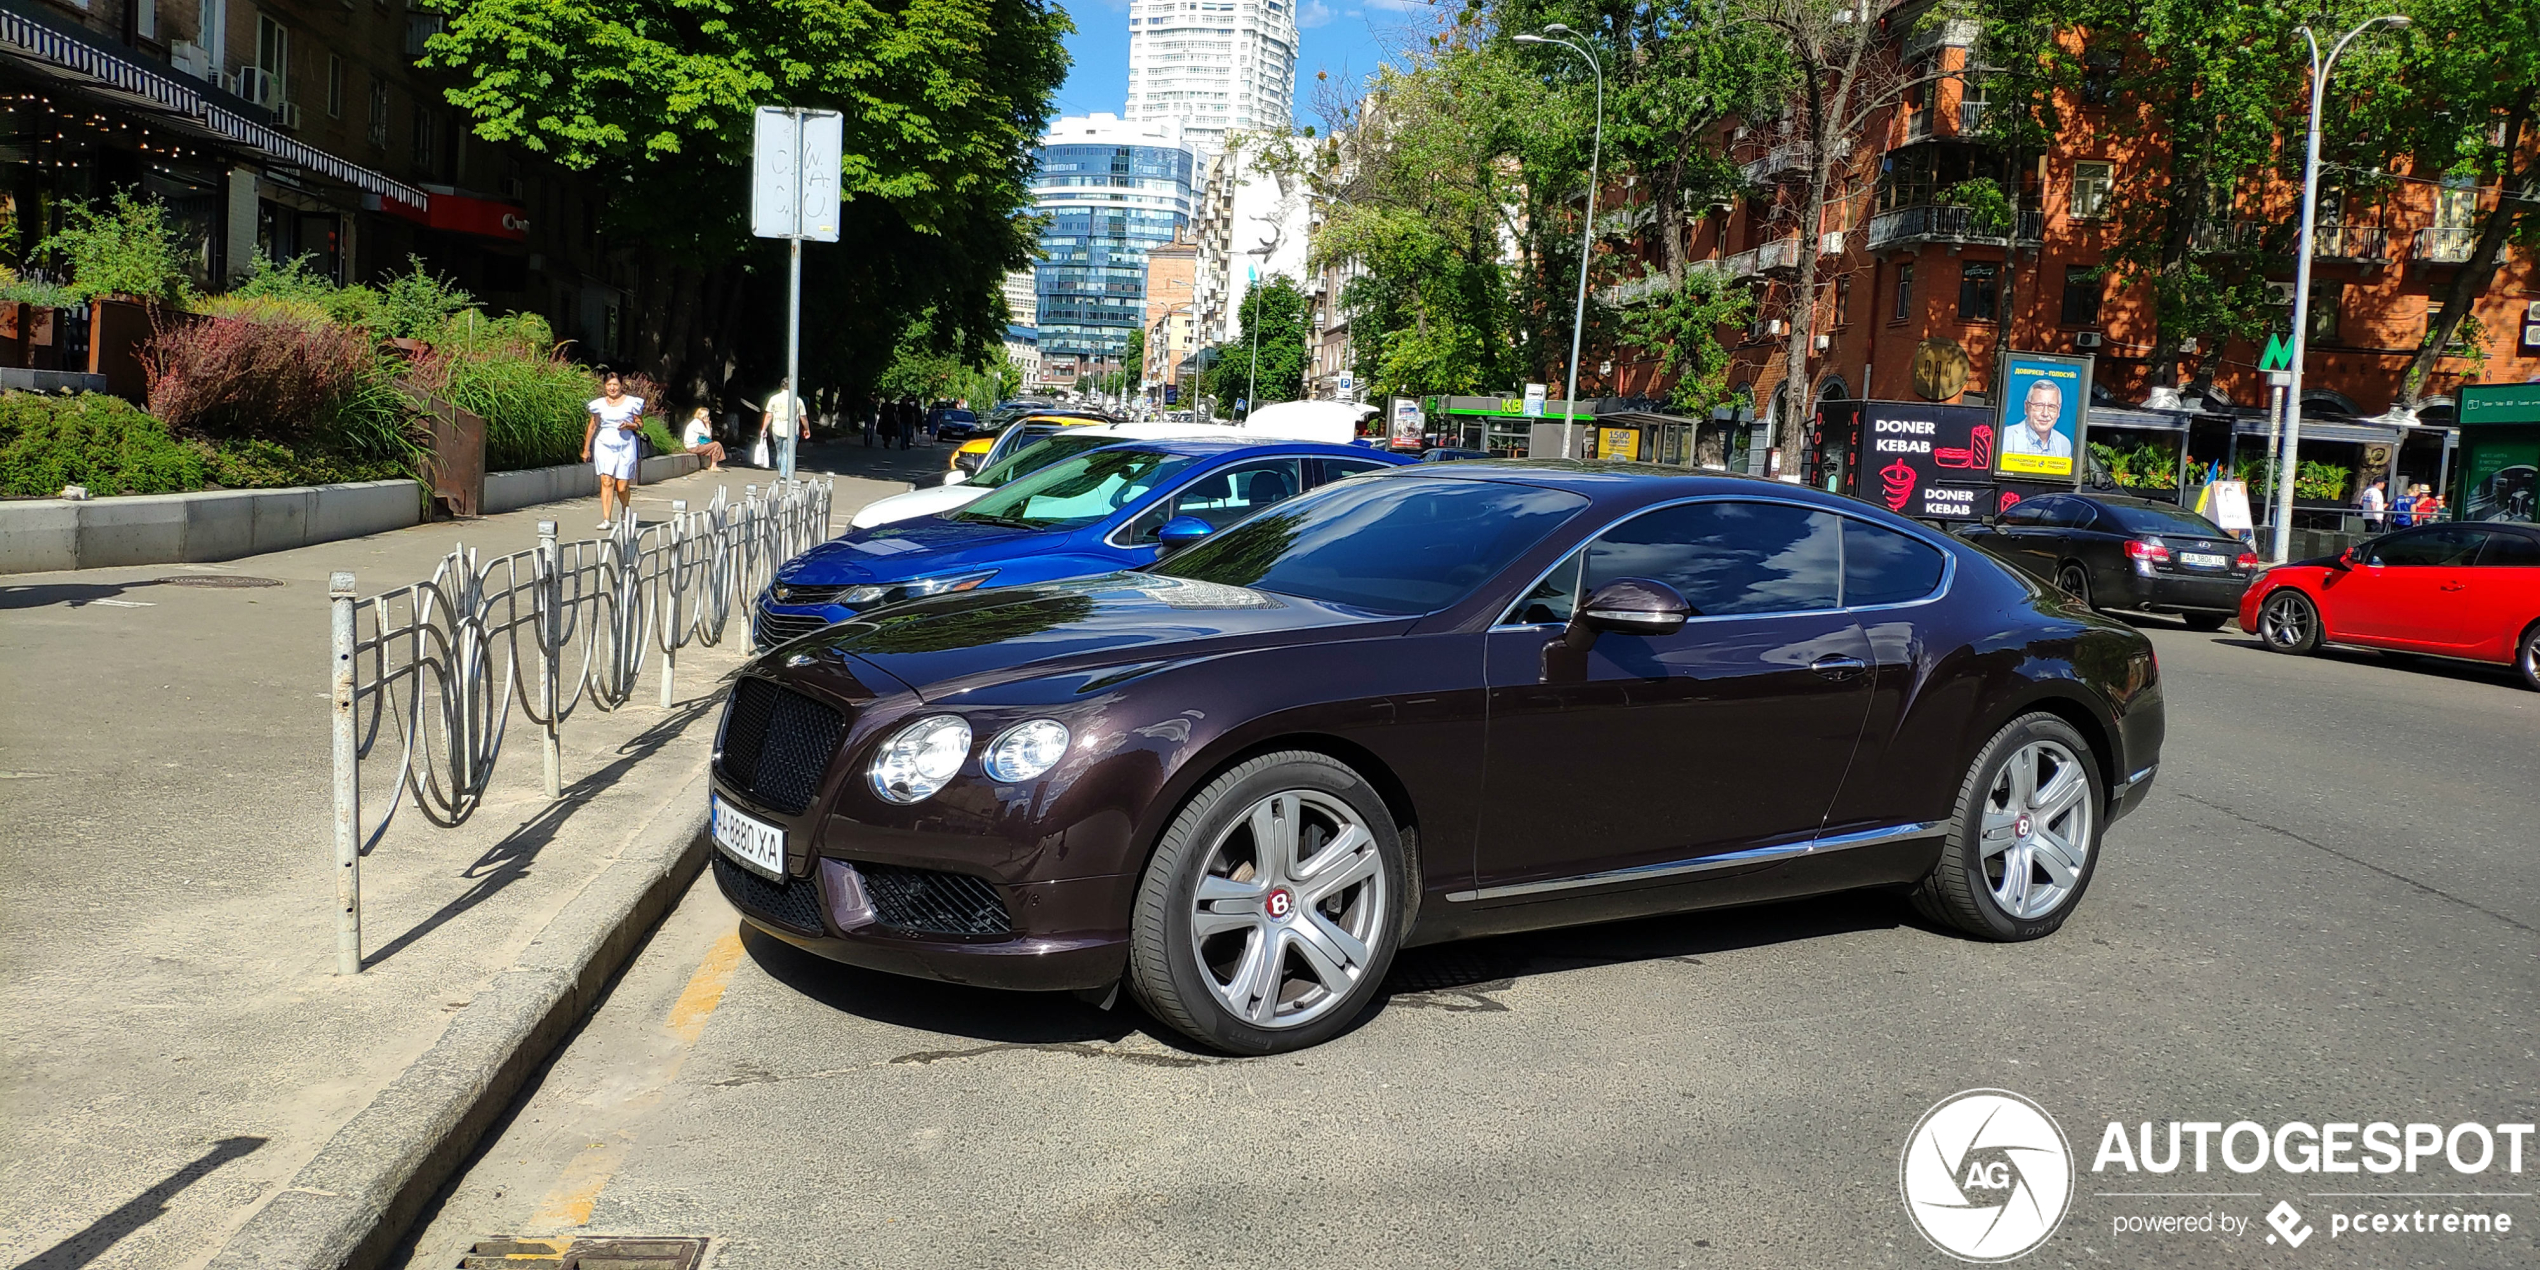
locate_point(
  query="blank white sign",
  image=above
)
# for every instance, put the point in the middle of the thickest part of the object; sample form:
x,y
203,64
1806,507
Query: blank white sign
x,y
795,159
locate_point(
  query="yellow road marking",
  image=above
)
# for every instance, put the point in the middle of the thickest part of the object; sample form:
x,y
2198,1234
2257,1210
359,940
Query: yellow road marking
x,y
705,988
575,1193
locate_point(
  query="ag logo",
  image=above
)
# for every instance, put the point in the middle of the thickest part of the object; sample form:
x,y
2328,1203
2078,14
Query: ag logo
x,y
1986,1175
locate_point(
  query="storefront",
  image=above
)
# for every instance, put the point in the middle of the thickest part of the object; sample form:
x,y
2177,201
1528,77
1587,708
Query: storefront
x,y
2500,453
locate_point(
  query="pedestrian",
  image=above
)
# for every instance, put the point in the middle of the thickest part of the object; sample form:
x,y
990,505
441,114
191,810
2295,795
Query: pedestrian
x,y
2372,504
2429,507
904,427
2403,509
870,416
778,419
698,436
610,445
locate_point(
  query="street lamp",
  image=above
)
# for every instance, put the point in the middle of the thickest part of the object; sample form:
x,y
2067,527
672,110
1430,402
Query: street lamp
x,y
2320,71
1587,237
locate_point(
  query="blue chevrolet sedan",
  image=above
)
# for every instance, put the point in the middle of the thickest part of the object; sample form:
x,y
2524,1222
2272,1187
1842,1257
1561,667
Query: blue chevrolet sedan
x,y
1117,507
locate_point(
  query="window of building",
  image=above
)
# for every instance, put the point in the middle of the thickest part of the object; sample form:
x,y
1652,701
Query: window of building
x,y
1842,301
425,143
211,31
2092,185
1976,290
273,63
2100,64
1904,292
334,87
2083,287
2328,299
378,110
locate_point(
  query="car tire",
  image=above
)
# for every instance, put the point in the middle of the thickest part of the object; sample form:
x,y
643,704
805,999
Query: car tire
x,y
2288,622
2204,621
2073,580
2013,833
1281,969
2527,657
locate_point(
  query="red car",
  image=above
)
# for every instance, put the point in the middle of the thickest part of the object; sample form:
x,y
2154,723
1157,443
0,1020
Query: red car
x,y
2468,589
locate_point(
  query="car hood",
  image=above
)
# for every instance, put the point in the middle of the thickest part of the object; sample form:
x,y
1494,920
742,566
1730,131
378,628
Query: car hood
x,y
926,500
914,548
945,645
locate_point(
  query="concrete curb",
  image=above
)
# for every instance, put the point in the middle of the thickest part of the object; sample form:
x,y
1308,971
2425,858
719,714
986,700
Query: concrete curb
x,y
349,1207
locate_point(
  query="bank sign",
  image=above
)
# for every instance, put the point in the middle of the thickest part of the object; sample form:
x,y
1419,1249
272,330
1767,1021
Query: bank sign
x,y
1928,461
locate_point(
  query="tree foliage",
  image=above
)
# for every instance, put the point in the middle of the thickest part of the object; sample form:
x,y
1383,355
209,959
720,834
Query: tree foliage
x,y
1274,311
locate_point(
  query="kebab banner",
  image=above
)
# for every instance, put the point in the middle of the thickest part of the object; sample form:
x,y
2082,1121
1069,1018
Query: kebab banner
x,y
1928,461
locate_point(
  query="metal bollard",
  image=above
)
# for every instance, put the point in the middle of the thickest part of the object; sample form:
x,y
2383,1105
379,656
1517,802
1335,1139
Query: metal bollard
x,y
670,596
348,784
550,627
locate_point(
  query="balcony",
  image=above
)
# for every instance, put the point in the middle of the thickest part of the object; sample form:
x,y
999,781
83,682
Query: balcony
x,y
1971,118
1789,156
1652,285
2369,243
2446,246
1945,223
2226,236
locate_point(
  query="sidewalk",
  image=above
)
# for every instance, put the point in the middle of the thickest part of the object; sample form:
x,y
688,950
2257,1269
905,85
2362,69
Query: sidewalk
x,y
180,1044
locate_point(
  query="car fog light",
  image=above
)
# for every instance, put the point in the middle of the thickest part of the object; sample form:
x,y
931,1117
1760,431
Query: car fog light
x,y
920,758
1026,750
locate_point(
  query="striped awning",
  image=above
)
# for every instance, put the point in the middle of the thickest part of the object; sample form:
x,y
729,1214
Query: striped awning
x,y
26,38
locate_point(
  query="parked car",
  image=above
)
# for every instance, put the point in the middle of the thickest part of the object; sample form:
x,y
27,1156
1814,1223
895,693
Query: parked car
x,y
1237,781
1450,454
2116,552
953,423
2469,590
929,500
980,451
1110,508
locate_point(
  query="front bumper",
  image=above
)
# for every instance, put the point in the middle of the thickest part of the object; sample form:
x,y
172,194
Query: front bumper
x,y
1065,935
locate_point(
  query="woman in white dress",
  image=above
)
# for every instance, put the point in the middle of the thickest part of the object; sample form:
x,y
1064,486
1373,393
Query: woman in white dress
x,y
611,444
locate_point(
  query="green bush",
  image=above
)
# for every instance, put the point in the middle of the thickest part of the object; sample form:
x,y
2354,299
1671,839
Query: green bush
x,y
104,443
126,248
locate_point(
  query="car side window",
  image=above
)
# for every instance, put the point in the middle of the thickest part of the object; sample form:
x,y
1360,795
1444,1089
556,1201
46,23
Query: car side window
x,y
2426,548
2032,512
2072,513
1224,496
1335,469
1728,558
2506,549
1882,566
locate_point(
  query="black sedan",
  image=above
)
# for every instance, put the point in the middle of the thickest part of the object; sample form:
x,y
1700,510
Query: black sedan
x,y
2126,553
954,423
1431,703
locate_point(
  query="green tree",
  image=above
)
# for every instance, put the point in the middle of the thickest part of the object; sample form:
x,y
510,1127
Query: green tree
x,y
122,248
1133,359
1274,311
944,104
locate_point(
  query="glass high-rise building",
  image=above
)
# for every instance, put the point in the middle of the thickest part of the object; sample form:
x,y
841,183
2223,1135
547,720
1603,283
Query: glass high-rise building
x,y
1213,65
1112,190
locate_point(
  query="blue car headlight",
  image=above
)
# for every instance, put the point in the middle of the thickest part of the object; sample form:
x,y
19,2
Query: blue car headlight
x,y
893,592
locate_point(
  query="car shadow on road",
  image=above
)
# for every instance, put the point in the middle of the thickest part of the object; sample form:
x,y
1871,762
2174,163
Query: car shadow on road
x,y
67,594
2414,663
1462,977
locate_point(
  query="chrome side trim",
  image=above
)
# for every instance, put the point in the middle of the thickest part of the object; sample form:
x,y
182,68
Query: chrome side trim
x,y
1711,863
2126,786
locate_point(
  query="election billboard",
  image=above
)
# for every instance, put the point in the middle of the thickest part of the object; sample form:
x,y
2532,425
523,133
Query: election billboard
x,y
2045,398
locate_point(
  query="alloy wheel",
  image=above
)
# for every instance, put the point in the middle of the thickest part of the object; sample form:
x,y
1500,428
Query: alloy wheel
x,y
2285,622
2074,583
2036,834
1290,898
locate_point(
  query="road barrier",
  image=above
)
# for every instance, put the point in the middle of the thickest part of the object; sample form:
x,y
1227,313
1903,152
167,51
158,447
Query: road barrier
x,y
439,666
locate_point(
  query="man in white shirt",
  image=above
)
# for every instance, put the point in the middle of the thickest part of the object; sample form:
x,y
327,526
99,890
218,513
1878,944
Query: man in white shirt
x,y
2375,502
778,419
2037,434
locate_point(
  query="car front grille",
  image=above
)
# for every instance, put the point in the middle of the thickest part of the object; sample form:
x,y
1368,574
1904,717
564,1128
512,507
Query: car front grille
x,y
797,593
934,903
776,744
767,630
794,904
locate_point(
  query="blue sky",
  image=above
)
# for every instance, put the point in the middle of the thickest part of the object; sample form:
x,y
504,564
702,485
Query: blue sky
x,y
1348,38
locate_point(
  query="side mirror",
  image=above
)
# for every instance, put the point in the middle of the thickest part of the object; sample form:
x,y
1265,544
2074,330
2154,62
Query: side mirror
x,y
956,477
2345,560
1629,606
1182,531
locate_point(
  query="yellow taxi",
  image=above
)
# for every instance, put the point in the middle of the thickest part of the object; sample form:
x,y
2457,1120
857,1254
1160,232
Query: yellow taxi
x,y
981,451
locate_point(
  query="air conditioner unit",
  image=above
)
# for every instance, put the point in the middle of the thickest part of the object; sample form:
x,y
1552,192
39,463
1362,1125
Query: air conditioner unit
x,y
2187,345
257,86
288,115
1771,326
2087,339
1824,342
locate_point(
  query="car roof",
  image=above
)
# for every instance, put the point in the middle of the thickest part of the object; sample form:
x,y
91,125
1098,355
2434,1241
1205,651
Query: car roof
x,y
1208,447
1623,483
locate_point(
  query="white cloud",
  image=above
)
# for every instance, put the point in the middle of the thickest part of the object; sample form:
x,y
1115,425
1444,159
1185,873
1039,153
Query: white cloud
x,y
1314,14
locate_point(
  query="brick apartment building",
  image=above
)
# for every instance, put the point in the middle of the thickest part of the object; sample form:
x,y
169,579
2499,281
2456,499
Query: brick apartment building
x,y
291,128
1905,276
1171,314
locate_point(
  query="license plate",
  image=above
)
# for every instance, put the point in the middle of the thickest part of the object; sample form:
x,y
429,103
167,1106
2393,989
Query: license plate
x,y
748,839
2201,560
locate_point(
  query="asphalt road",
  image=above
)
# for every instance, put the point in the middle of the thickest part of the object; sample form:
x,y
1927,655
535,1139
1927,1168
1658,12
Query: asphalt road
x,y
2326,912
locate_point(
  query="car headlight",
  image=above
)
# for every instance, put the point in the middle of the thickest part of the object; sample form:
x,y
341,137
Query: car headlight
x,y
919,758
1024,751
894,592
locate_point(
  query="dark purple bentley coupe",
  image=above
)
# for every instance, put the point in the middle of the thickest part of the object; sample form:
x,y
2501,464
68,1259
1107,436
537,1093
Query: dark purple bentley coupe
x,y
1426,704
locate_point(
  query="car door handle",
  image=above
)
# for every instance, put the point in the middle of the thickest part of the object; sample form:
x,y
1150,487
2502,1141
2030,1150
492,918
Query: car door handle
x,y
1838,667
2455,585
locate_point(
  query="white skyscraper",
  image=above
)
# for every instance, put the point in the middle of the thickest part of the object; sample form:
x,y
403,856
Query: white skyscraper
x,y
1214,65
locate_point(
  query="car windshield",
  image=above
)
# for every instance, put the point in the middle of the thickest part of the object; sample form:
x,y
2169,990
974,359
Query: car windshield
x,y
1391,546
1037,455
1076,491
2137,519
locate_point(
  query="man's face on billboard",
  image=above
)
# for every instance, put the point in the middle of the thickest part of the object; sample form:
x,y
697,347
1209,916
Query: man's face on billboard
x,y
2045,402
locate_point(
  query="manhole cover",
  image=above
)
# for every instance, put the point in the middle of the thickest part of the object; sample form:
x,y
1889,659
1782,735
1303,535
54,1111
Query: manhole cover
x,y
587,1252
219,581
